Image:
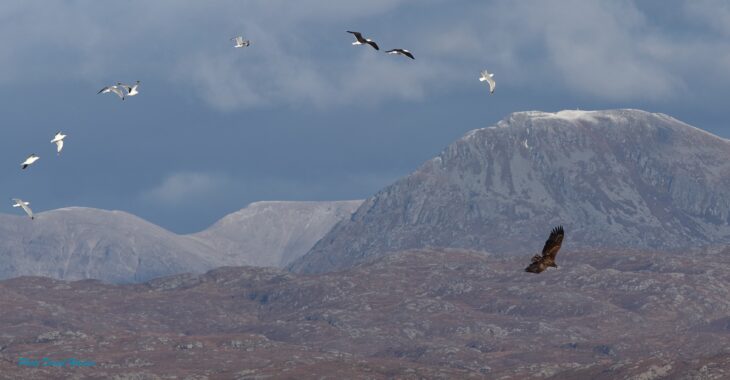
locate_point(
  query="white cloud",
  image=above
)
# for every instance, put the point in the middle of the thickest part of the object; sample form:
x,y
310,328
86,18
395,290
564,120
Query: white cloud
x,y
178,188
603,49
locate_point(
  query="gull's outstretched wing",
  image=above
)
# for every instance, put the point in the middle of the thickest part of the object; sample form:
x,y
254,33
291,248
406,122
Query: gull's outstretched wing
x,y
358,36
124,86
492,85
29,161
401,52
486,76
117,90
24,205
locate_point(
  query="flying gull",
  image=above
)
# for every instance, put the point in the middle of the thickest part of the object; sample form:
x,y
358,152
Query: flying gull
x,y
24,205
131,90
486,76
113,89
29,161
401,52
360,40
58,140
240,42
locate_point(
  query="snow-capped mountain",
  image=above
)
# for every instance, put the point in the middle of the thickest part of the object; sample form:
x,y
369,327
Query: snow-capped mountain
x,y
274,233
113,246
614,179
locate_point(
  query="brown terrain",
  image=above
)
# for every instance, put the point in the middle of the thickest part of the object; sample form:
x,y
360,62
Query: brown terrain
x,y
415,314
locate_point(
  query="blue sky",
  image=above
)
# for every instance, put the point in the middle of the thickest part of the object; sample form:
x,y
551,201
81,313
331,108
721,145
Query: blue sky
x,y
302,114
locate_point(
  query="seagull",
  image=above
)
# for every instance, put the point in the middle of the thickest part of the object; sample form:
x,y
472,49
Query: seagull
x,y
58,140
486,76
361,40
131,90
115,89
29,161
240,42
401,52
24,205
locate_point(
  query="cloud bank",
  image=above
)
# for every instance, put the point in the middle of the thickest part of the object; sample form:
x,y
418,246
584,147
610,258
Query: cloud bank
x,y
302,57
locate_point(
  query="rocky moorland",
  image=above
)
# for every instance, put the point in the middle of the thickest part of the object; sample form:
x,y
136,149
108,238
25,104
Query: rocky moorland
x,y
414,314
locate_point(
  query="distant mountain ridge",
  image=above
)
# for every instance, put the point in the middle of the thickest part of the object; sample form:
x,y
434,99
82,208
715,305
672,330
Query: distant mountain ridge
x,y
614,179
114,246
276,232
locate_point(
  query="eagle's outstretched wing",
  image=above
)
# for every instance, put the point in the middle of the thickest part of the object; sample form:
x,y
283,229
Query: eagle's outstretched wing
x,y
552,245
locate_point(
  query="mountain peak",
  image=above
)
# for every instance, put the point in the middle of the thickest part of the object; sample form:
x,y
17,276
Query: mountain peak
x,y
614,179
525,120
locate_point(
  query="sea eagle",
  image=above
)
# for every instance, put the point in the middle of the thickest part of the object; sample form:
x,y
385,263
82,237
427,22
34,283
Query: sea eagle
x,y
549,251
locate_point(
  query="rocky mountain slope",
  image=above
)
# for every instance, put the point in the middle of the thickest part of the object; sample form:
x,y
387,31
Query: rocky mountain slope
x,y
614,179
114,246
411,315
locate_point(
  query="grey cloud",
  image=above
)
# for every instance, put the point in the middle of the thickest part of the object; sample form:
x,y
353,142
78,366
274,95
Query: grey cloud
x,y
710,13
609,50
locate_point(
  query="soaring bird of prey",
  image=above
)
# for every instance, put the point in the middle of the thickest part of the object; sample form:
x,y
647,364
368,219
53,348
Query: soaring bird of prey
x,y
489,77
360,40
24,205
131,89
58,140
240,42
29,161
401,52
552,246
113,89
